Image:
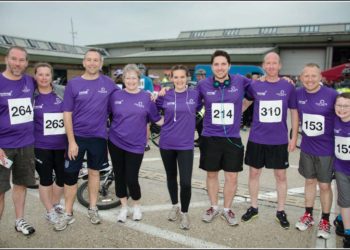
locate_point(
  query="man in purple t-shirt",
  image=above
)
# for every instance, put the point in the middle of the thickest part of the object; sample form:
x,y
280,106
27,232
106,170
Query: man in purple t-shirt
x,y
268,138
221,147
316,114
85,114
16,134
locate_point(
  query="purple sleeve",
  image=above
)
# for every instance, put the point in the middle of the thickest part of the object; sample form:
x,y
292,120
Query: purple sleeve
x,y
199,102
68,101
250,91
159,102
292,102
153,114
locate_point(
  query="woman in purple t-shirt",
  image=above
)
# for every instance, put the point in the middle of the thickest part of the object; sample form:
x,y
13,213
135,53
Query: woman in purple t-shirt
x,y
176,140
131,110
50,141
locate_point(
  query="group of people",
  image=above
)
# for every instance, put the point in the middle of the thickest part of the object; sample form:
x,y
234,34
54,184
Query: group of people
x,y
44,129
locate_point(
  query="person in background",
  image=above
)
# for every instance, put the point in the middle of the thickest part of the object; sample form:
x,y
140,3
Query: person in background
x,y
176,141
50,141
200,74
85,108
156,83
342,161
118,74
16,134
315,105
131,110
146,84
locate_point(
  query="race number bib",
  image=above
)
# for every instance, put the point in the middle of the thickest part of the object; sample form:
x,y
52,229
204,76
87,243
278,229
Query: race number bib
x,y
313,125
342,148
142,83
53,124
222,113
20,110
270,111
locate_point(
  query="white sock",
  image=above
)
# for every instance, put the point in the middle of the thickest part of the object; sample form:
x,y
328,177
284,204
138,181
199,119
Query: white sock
x,y
226,209
216,207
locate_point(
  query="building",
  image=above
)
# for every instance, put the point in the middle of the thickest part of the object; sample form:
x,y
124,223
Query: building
x,y
325,44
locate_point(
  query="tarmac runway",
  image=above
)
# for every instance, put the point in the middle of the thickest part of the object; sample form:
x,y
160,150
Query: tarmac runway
x,y
155,231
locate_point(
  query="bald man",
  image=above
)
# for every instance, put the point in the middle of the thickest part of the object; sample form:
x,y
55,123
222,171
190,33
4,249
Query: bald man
x,y
268,144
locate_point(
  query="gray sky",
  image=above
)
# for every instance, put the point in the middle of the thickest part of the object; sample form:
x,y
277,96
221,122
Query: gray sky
x,y
105,22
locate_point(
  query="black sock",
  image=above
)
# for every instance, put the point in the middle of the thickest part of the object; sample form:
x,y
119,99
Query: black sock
x,y
280,212
325,216
309,210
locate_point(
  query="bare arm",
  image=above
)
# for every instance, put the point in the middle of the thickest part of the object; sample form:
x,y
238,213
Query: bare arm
x,y
295,124
2,157
72,145
160,122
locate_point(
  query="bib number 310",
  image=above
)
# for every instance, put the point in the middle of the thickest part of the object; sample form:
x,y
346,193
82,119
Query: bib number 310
x,y
270,111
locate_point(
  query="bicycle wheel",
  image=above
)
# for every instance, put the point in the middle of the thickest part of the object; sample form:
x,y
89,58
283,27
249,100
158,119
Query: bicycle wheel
x,y
106,199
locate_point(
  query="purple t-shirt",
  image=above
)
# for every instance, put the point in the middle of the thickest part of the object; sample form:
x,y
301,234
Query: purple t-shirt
x,y
271,103
49,128
223,106
88,100
342,146
316,116
178,130
16,112
131,113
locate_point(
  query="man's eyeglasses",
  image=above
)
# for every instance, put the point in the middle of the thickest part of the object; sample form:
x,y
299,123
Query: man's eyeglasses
x,y
342,106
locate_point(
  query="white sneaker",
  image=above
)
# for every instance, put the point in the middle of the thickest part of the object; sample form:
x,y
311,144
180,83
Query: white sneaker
x,y
137,215
24,227
52,216
59,208
122,214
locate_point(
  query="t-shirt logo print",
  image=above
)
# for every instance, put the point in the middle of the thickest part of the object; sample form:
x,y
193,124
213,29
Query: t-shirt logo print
x,y
281,93
84,92
6,94
102,91
25,89
322,103
139,104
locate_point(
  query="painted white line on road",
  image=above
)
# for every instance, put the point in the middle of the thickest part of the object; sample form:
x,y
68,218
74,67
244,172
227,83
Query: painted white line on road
x,y
273,194
111,215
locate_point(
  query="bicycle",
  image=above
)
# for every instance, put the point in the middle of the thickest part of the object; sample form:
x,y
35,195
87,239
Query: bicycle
x,y
106,194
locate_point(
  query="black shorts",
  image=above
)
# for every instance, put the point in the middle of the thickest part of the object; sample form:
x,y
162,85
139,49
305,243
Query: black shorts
x,y
218,153
97,154
270,156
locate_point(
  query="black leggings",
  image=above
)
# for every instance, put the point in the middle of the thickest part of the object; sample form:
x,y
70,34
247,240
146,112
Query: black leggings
x,y
126,167
48,160
184,158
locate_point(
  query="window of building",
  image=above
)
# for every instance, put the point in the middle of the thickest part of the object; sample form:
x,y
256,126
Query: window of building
x,y
231,32
52,46
8,40
197,34
268,30
347,27
32,43
309,28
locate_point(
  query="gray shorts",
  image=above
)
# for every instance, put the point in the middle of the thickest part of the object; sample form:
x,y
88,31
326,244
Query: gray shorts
x,y
316,167
343,186
23,168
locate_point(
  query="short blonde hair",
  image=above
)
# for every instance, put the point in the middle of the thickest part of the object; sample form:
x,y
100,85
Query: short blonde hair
x,y
131,67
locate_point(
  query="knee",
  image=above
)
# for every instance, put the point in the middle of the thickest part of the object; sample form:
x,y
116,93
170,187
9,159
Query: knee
x,y
325,187
310,182
254,173
212,175
71,178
